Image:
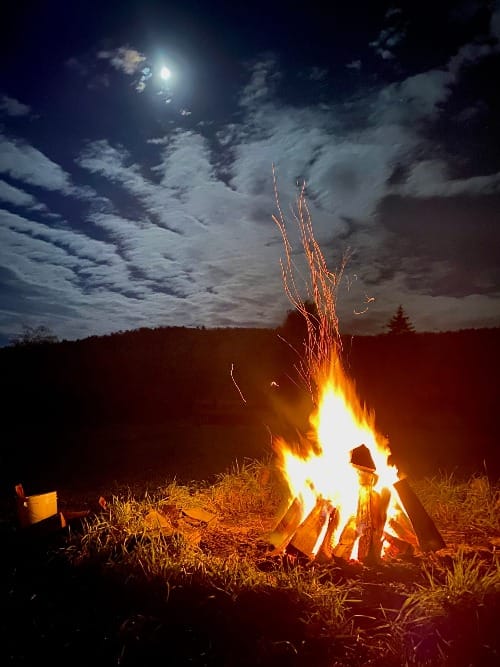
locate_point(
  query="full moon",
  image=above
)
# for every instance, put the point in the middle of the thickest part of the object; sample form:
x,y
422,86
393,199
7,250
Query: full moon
x,y
165,73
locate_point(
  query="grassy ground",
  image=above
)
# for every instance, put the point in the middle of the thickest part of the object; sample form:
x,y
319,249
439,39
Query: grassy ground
x,y
181,574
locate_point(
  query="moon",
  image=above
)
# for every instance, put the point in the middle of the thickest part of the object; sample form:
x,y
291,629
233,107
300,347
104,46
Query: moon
x,y
165,73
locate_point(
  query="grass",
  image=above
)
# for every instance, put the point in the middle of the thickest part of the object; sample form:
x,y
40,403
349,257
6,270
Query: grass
x,y
182,575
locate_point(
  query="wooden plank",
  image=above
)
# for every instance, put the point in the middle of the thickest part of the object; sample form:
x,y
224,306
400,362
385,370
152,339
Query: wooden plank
x,y
429,537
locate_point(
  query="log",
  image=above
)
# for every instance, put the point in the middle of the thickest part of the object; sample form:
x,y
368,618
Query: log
x,y
403,529
364,519
361,458
288,524
347,539
380,503
325,552
398,547
312,529
428,536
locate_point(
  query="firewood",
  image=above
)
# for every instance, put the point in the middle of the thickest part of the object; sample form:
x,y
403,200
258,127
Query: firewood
x,y
380,503
361,458
403,529
288,524
325,552
429,538
397,547
312,529
364,520
347,539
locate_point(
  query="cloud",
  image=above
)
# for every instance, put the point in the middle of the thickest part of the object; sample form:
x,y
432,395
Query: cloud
x,y
196,235
76,282
391,35
495,21
12,107
416,98
428,178
317,73
264,76
124,59
12,195
354,64
26,163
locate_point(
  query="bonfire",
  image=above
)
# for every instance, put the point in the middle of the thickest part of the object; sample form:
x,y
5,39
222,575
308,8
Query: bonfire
x,y
346,499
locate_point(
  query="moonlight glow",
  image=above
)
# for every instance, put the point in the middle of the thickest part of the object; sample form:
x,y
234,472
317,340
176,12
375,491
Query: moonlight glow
x,y
165,73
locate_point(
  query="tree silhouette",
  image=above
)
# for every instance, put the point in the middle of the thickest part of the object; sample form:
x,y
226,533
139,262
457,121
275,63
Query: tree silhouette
x,y
400,323
294,328
34,336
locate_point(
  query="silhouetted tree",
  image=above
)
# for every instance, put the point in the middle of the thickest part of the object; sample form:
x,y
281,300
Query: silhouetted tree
x,y
294,328
34,336
400,323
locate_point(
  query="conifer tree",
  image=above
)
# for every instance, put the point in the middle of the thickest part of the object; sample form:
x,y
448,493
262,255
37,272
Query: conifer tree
x,y
400,323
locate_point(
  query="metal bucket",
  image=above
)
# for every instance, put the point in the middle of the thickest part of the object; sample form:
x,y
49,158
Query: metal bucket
x,y
32,509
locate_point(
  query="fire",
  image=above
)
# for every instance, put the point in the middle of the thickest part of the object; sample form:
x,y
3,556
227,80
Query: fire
x,y
342,488
325,472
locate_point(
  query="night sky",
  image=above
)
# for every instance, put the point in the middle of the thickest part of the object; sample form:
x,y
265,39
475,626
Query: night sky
x,y
137,143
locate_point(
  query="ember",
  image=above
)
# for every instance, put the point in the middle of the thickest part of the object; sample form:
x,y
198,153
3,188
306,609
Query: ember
x,y
346,499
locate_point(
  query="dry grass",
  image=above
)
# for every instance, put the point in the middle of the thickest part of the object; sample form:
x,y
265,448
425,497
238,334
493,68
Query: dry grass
x,y
432,609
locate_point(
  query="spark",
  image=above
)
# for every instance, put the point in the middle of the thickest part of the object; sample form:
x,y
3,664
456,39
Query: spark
x,y
236,385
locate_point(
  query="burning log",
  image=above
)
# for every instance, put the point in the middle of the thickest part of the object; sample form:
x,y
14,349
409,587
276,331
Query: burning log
x,y
312,530
347,540
325,552
398,547
380,503
429,538
403,529
364,522
288,524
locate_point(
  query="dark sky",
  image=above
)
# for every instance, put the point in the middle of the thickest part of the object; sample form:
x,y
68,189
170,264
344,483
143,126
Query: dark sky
x,y
128,200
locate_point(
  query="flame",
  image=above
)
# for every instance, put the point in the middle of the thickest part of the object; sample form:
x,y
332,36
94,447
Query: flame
x,y
338,425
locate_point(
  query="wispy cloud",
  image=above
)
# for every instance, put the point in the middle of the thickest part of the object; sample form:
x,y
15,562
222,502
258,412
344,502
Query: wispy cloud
x,y
12,107
29,165
12,195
